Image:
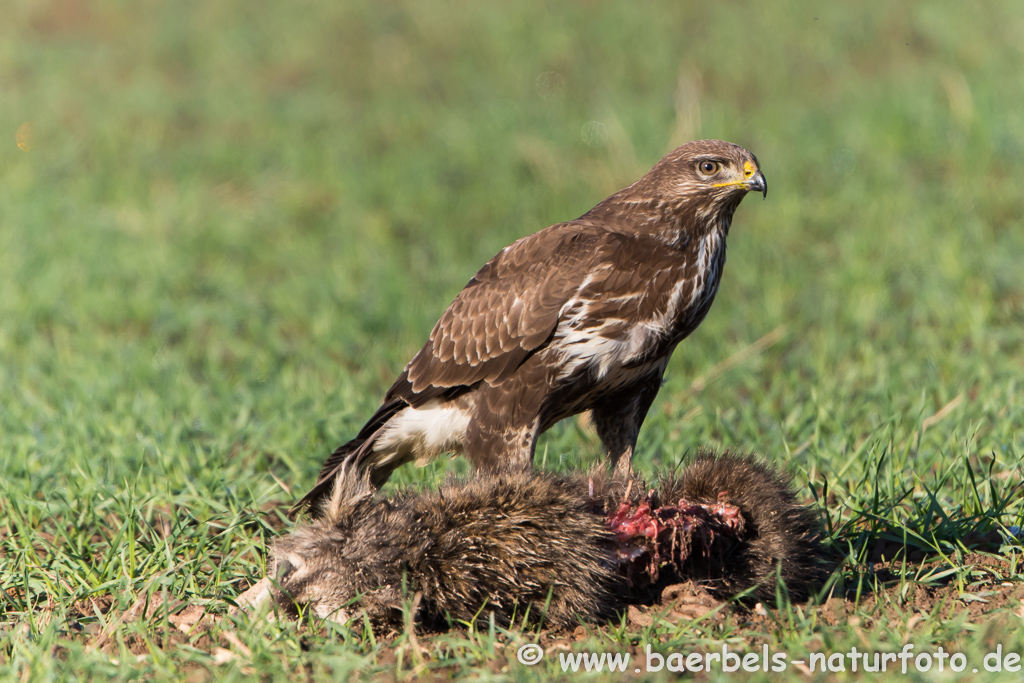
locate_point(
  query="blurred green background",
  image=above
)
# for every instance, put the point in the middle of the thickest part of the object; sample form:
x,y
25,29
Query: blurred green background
x,y
225,227
237,221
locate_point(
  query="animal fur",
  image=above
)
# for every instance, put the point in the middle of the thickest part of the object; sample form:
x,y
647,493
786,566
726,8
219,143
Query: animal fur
x,y
517,543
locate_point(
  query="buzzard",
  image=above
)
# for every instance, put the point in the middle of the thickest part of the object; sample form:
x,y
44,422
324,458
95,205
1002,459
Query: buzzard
x,y
582,315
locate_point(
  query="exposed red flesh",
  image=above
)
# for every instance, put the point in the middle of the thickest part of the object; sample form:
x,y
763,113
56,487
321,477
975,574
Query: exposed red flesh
x,y
649,538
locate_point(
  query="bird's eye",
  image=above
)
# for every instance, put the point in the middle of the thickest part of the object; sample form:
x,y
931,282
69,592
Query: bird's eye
x,y
709,167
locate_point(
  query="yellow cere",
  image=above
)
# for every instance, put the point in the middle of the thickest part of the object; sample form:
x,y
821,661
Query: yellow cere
x,y
748,170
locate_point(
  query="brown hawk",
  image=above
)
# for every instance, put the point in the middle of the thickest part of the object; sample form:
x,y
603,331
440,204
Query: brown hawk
x,y
582,315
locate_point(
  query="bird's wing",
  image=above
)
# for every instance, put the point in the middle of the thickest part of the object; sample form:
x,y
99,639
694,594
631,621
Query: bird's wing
x,y
508,310
512,306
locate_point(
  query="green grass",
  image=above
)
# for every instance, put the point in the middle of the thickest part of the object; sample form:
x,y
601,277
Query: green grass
x,y
237,221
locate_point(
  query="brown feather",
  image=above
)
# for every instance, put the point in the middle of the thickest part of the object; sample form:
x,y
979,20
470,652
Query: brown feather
x,y
580,314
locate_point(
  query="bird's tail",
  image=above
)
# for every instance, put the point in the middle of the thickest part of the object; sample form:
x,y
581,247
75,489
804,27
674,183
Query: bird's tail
x,y
353,459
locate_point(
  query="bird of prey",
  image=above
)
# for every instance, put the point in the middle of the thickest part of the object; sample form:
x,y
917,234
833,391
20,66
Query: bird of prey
x,y
582,315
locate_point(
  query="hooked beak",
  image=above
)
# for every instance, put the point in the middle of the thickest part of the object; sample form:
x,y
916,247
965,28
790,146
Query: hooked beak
x,y
757,183
753,180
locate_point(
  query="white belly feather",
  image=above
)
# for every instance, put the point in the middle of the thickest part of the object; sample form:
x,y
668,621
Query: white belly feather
x,y
423,433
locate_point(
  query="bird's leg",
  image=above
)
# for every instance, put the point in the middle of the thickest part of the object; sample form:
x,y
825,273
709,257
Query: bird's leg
x,y
491,446
502,432
618,419
618,431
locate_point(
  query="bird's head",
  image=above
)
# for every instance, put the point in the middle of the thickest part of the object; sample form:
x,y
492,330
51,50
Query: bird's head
x,y
709,170
693,189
